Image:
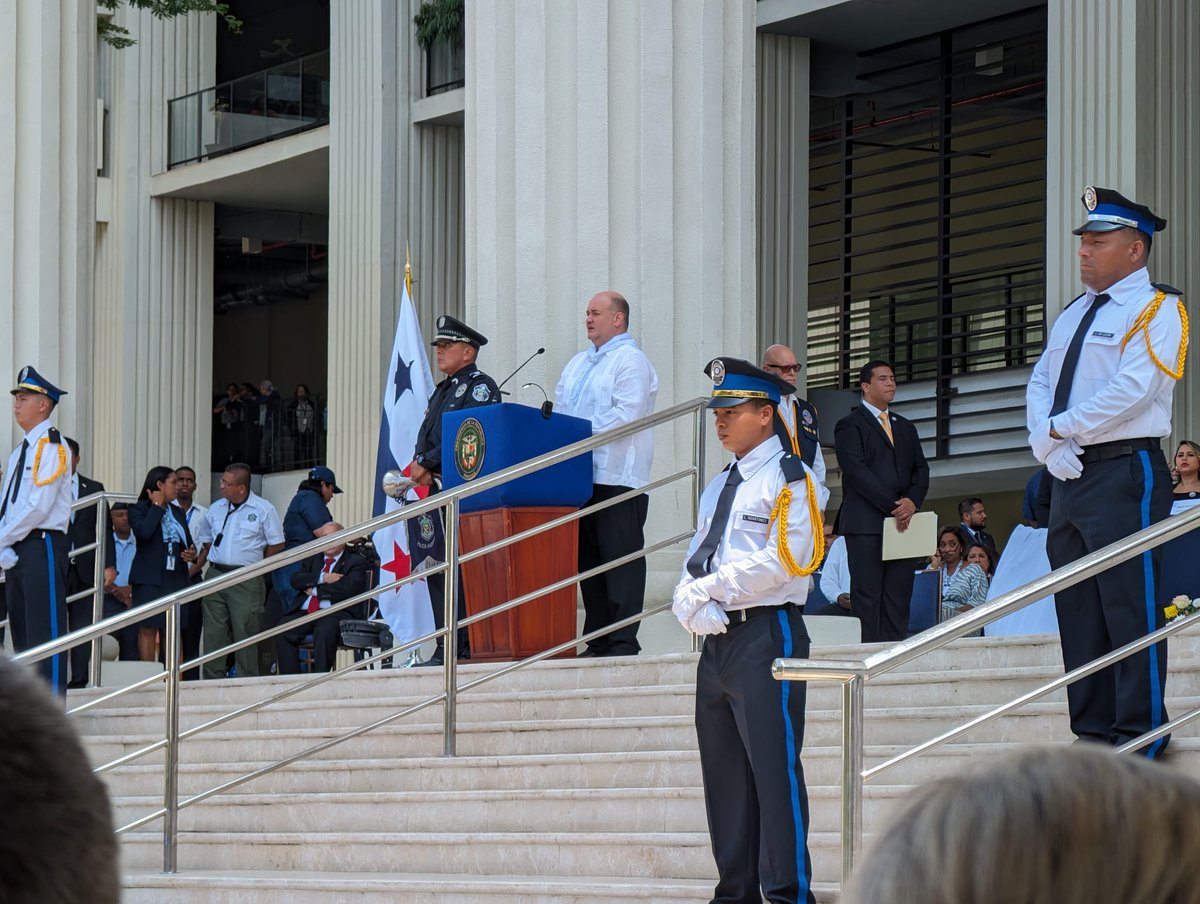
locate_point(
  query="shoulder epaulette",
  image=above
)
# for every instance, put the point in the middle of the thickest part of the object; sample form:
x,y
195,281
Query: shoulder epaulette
x,y
54,436
792,467
1169,290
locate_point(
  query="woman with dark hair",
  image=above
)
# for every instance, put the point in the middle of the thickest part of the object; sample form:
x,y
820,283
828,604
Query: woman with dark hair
x,y
302,424
1187,466
982,555
164,552
964,585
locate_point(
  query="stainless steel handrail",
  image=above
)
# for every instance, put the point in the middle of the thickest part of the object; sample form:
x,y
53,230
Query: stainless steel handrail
x,y
854,674
449,500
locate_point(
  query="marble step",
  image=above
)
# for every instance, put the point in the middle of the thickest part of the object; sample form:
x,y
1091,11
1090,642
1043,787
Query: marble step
x,y
293,887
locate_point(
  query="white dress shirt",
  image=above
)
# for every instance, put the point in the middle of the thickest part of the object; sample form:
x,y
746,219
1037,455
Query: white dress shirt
x,y
250,528
747,562
196,517
613,385
835,573
45,507
787,411
1115,394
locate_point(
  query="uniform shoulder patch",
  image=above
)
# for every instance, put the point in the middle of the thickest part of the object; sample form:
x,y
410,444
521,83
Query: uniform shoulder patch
x,y
54,436
1168,290
792,467
481,392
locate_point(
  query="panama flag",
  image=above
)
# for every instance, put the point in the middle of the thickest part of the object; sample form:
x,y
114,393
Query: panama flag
x,y
405,398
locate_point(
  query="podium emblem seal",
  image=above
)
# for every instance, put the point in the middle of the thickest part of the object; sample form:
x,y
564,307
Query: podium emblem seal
x,y
469,447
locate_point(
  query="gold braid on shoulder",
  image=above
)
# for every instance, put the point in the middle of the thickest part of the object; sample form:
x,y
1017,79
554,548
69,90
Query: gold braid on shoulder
x,y
1142,324
782,503
37,462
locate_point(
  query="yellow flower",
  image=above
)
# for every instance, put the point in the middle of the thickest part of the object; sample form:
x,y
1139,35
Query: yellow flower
x,y
1171,611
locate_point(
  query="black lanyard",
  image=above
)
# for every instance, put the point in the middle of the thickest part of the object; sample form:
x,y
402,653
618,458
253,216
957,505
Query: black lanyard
x,y
221,533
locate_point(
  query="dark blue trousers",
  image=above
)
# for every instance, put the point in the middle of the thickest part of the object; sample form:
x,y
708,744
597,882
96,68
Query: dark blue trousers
x,y
1109,501
751,730
37,599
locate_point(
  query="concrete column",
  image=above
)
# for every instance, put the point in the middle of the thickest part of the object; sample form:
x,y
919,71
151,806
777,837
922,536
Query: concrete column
x,y
782,189
47,185
1133,127
152,370
611,145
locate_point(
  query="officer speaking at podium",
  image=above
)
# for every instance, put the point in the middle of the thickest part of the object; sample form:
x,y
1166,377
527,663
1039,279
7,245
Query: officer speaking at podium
x,y
34,514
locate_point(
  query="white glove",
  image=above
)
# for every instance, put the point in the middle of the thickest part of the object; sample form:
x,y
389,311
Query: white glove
x,y
688,597
8,558
1063,462
1041,442
709,619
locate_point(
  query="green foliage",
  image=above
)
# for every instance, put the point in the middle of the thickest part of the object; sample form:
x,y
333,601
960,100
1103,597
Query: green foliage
x,y
438,22
119,37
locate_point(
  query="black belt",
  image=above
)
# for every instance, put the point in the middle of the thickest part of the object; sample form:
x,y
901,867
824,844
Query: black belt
x,y
1118,449
220,567
737,616
38,533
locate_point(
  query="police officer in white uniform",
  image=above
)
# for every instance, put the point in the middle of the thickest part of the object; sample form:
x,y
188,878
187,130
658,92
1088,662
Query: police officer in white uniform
x,y
796,421
1098,403
758,539
34,514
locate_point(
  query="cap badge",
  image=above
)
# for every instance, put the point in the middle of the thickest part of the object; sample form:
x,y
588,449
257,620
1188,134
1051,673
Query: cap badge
x,y
718,372
1089,198
24,374
441,321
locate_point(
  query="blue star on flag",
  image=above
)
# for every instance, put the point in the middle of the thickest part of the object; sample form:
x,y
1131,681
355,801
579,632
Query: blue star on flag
x,y
403,380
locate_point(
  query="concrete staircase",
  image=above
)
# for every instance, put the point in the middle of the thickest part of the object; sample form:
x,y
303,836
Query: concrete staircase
x,y
576,782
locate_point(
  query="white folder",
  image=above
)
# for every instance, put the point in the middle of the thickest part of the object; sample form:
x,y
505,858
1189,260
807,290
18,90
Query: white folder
x,y
919,541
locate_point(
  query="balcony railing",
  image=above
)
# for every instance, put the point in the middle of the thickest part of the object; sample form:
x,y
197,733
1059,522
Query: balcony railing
x,y
445,65
283,100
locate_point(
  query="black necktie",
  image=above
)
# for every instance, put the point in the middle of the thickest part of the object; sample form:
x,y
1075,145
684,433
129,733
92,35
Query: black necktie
x,y
14,479
1062,391
697,565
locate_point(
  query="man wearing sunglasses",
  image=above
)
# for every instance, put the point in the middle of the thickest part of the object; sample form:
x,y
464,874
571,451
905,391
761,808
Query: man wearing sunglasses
x,y
795,418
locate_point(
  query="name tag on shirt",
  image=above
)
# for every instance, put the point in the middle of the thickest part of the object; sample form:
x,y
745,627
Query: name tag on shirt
x,y
1103,335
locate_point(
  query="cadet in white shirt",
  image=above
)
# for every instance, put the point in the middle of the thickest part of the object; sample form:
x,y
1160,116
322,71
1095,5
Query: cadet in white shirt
x,y
1098,404
612,384
34,514
245,529
758,539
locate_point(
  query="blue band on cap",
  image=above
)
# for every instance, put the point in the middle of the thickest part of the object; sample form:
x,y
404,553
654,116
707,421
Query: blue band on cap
x,y
1114,213
746,386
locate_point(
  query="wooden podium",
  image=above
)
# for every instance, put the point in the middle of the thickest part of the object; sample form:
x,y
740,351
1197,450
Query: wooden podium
x,y
477,442
514,571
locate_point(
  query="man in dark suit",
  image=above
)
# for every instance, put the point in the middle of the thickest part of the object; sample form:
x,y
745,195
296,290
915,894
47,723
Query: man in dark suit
x,y
884,474
81,571
324,580
974,519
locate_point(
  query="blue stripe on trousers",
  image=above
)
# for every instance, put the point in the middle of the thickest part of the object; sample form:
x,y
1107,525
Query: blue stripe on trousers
x,y
1156,702
55,660
792,755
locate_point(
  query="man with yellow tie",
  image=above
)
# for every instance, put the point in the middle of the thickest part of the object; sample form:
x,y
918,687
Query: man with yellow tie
x,y
884,474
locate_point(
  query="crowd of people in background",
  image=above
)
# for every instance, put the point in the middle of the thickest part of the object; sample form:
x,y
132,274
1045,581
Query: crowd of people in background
x,y
259,427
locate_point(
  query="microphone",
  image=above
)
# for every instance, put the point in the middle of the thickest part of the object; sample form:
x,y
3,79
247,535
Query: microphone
x,y
547,405
540,351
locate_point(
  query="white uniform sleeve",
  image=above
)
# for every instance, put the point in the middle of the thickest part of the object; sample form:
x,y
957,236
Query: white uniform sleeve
x,y
634,382
272,529
34,503
818,467
835,575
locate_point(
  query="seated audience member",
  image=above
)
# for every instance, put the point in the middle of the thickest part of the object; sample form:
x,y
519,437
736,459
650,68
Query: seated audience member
x,y
964,585
835,580
118,595
338,574
1187,466
983,556
1038,826
1029,499
57,844
816,598
974,519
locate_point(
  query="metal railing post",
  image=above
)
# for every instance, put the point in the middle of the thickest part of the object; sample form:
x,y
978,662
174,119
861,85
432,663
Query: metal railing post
x,y
852,773
171,758
95,665
450,643
698,485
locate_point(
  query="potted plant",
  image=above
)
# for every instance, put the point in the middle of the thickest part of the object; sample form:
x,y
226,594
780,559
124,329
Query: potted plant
x,y
440,34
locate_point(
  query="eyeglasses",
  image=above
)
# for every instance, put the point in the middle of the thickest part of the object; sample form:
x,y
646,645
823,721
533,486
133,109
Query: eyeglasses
x,y
785,368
